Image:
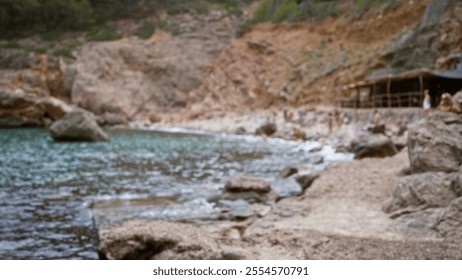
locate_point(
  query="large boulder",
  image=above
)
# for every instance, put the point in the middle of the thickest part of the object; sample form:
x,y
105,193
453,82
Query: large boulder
x,y
143,240
425,190
449,223
78,125
435,144
372,145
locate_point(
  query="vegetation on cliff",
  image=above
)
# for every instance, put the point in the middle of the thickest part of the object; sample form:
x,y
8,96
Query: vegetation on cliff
x,y
30,17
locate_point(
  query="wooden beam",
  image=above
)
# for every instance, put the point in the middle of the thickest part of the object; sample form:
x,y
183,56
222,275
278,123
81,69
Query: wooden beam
x,y
388,92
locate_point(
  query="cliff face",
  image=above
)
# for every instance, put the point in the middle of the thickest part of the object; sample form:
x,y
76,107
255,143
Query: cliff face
x,y
302,64
202,69
437,35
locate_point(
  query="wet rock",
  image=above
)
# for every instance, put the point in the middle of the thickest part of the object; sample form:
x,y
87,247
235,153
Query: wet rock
x,y
267,129
372,145
435,143
421,191
316,159
242,183
306,180
240,131
143,240
287,172
55,108
377,129
235,209
343,149
286,187
449,223
78,125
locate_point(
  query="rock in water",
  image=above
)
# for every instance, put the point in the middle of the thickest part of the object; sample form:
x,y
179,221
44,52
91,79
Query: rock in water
x,y
435,144
143,240
373,145
78,125
241,183
267,129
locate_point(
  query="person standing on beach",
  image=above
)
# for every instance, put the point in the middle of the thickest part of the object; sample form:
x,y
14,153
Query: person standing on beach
x,y
426,103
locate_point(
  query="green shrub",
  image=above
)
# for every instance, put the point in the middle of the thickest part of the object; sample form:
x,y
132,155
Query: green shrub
x,y
103,33
146,30
199,7
11,45
65,52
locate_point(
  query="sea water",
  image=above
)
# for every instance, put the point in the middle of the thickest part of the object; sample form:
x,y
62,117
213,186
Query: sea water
x,y
47,188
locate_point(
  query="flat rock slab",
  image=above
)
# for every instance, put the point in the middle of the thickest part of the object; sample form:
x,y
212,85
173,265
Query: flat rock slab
x,y
242,183
159,240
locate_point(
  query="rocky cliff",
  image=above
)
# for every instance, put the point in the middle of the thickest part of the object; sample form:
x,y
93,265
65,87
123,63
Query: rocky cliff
x,y
198,67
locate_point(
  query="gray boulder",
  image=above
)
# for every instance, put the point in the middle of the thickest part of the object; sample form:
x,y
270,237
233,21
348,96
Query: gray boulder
x,y
372,145
142,240
421,191
78,125
435,144
449,223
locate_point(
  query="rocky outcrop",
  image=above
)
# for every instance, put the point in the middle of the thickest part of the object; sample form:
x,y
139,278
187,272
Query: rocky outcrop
x,y
156,240
55,108
78,125
133,78
435,144
26,80
427,201
18,109
437,35
372,145
449,223
421,191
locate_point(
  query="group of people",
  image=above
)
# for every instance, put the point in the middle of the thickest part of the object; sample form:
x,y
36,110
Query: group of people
x,y
447,103
336,119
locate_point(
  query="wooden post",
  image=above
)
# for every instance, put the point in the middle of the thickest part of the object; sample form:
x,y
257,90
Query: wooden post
x,y
358,102
388,92
421,88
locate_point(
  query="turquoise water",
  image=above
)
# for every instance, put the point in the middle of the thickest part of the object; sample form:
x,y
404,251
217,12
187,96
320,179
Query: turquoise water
x,y
46,188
